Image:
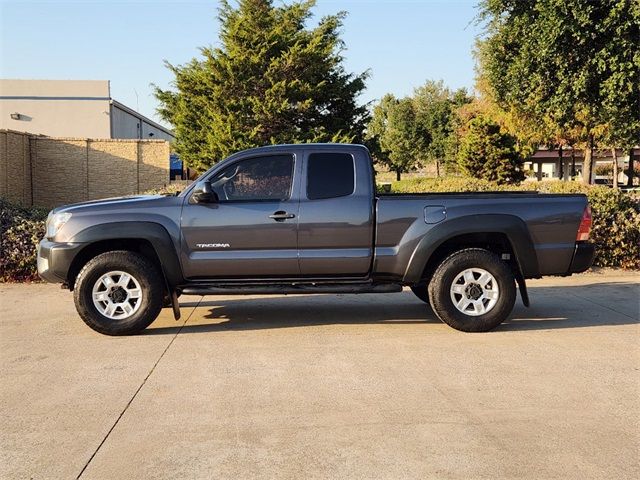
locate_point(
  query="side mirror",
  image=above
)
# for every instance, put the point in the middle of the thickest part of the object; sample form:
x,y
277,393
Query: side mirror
x,y
203,193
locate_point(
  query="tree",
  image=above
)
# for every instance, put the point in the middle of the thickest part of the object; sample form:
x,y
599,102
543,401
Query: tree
x,y
417,129
397,137
488,153
572,65
271,80
376,130
435,107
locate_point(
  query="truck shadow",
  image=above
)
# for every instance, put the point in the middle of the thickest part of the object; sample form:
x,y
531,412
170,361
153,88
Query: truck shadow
x,y
591,305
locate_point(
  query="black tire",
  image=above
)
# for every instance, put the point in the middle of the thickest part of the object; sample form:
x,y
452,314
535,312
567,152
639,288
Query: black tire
x,y
449,271
421,292
146,274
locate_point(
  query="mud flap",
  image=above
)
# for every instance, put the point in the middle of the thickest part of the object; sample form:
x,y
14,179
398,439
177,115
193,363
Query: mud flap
x,y
522,286
175,305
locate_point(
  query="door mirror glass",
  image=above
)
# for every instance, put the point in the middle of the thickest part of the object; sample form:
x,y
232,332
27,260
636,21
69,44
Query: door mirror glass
x,y
203,193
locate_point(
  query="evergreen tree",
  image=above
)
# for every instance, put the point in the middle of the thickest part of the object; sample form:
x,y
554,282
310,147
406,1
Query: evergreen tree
x,y
488,153
271,80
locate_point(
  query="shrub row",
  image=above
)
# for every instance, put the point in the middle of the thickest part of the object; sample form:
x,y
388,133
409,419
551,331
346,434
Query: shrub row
x,y
616,215
616,222
20,231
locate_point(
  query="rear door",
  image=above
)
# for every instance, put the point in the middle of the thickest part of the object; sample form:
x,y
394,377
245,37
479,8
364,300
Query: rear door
x,y
335,224
251,232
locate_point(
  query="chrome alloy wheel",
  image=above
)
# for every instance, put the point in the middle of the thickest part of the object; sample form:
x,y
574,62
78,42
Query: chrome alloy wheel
x,y
474,292
117,295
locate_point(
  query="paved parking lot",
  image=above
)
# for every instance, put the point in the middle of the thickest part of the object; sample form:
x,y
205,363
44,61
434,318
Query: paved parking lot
x,y
334,386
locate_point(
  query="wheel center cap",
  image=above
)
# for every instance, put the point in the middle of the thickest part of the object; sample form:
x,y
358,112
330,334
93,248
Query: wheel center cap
x,y
473,291
118,295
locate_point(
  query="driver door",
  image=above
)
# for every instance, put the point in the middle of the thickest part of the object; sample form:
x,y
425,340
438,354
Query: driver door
x,y
252,230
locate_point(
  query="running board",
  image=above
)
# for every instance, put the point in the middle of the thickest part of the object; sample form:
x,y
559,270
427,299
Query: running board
x,y
217,289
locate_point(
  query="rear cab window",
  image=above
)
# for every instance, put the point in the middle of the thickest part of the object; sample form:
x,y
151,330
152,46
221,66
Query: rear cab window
x,y
330,175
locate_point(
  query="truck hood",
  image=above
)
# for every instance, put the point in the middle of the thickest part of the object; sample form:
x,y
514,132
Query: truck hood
x,y
115,202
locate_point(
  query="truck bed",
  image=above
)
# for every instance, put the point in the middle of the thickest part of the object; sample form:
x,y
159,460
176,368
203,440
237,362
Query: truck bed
x,y
549,220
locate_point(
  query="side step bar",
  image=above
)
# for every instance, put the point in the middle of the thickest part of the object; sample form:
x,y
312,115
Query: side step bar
x,y
217,289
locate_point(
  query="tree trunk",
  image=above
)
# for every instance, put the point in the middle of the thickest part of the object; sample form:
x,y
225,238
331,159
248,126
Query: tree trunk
x,y
398,173
573,162
615,167
561,170
630,171
438,168
587,165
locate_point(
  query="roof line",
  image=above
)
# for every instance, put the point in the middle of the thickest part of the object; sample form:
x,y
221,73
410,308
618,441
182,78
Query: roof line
x,y
37,97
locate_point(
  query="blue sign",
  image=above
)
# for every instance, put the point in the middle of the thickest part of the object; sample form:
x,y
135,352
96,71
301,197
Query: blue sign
x,y
174,162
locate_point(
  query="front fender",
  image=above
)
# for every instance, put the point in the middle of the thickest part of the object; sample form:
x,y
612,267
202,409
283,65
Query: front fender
x,y
154,233
511,226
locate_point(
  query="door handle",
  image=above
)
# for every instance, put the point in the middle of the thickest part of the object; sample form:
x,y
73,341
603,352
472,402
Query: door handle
x,y
281,215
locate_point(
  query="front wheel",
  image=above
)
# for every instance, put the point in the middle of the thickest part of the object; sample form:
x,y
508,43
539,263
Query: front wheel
x,y
119,293
472,290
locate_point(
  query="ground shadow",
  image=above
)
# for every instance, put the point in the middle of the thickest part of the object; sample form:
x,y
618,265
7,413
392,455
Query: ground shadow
x,y
552,307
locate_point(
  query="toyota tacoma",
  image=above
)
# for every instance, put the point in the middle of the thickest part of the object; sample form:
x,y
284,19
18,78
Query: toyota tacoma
x,y
306,218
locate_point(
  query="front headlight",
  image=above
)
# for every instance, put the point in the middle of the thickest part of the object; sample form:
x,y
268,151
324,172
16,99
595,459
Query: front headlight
x,y
55,222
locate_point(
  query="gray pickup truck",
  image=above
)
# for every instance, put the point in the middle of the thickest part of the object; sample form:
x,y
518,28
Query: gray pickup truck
x,y
307,219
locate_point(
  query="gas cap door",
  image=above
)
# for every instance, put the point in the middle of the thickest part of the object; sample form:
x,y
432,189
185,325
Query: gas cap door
x,y
434,213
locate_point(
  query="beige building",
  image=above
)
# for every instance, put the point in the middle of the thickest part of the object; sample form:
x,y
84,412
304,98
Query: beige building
x,y
72,108
547,164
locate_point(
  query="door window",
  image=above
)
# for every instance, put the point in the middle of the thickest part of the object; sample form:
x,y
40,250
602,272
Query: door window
x,y
330,175
267,178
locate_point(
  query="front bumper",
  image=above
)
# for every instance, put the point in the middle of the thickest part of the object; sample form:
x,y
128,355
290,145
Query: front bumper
x,y
54,260
583,256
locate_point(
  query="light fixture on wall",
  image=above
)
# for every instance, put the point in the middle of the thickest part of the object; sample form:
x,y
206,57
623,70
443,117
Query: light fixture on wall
x,y
16,116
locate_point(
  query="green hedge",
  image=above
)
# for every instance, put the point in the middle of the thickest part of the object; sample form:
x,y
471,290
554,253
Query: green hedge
x,y
616,215
616,222
20,231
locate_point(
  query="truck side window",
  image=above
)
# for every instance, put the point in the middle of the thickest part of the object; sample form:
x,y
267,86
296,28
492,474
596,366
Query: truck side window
x,y
267,178
330,175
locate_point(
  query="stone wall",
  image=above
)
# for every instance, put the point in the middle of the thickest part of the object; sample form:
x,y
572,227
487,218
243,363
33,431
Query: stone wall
x,y
48,172
15,176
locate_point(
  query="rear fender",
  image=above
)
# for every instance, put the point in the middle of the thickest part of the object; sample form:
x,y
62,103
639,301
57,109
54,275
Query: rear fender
x,y
511,226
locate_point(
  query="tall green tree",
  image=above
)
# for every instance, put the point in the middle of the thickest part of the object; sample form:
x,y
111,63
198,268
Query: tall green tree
x,y
572,65
436,107
488,153
272,79
376,130
395,137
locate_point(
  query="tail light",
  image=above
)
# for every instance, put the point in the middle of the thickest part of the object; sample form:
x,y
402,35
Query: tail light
x,y
585,225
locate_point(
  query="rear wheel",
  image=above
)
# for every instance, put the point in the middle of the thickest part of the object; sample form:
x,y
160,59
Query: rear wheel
x,y
472,290
119,293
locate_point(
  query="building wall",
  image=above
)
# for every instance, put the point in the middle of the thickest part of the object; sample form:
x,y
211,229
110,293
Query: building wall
x,y
158,134
72,108
50,172
56,107
125,124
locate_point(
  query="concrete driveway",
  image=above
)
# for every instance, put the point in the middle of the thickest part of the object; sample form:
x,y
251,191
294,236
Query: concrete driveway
x,y
368,386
